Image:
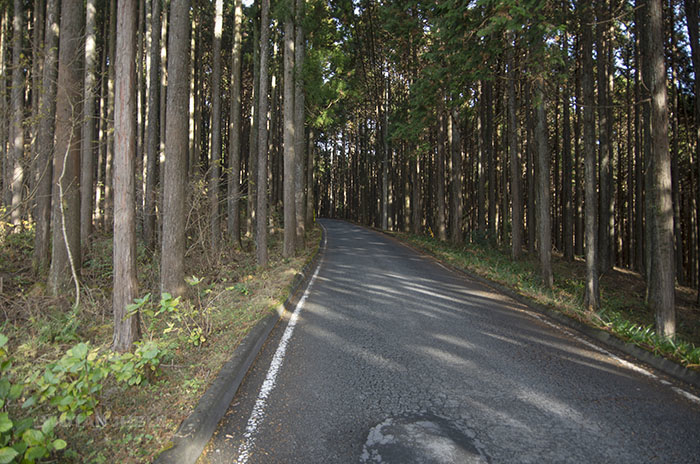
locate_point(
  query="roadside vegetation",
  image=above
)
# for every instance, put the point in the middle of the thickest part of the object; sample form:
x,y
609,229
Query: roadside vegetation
x,y
623,311
65,396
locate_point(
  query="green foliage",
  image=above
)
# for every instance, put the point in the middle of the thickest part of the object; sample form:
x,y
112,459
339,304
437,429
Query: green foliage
x,y
73,385
172,317
19,440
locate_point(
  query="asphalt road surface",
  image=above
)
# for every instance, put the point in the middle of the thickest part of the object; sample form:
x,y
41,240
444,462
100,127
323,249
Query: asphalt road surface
x,y
393,358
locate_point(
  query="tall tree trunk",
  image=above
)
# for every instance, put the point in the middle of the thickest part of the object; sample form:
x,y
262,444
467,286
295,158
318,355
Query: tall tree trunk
x,y
172,267
215,167
251,221
65,255
299,123
661,285
692,11
17,103
605,146
263,102
47,112
310,204
481,174
544,219
152,130
126,329
88,130
440,205
37,53
592,293
109,160
234,183
489,155
289,155
385,155
567,169
515,166
455,143
5,193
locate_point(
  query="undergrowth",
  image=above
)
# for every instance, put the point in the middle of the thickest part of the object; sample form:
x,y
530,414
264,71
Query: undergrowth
x,y
623,311
66,397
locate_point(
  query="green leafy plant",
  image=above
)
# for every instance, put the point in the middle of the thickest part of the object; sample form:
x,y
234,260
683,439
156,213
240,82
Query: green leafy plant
x,y
19,440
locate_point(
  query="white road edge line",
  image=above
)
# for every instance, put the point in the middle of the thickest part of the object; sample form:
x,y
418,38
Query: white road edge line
x,y
624,363
258,414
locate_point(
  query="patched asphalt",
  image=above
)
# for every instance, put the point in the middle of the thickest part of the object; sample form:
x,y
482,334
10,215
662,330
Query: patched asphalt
x,y
396,359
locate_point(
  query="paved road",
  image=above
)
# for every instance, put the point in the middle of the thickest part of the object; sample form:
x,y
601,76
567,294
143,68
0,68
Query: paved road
x,y
396,359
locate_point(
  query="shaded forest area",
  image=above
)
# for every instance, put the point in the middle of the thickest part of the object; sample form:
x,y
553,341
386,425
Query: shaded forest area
x,y
143,141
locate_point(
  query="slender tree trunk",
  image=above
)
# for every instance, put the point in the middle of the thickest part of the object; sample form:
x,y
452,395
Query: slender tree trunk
x,y
6,194
299,123
17,103
234,183
88,130
310,204
253,135
47,112
544,229
442,121
456,235
126,329
109,161
567,169
215,167
37,54
65,255
289,155
385,156
172,269
515,166
263,102
481,174
661,285
152,130
592,292
489,155
692,11
605,146
579,178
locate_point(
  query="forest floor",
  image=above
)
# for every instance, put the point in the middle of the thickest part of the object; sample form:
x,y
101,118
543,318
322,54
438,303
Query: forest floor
x,y
228,295
623,310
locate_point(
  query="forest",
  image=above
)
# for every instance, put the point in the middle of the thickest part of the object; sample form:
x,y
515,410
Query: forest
x,y
145,141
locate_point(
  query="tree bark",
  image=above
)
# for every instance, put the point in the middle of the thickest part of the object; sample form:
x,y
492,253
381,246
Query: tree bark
x,y
289,156
456,235
567,169
215,167
172,271
17,103
661,285
65,255
515,165
234,182
263,102
604,240
47,113
88,130
299,126
109,160
126,329
152,129
692,11
442,122
592,292
544,219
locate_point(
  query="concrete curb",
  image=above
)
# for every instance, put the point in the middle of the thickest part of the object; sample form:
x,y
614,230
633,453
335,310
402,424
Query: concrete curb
x,y
610,341
197,429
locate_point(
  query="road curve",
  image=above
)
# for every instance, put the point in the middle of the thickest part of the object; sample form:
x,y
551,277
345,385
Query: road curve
x,y
394,358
